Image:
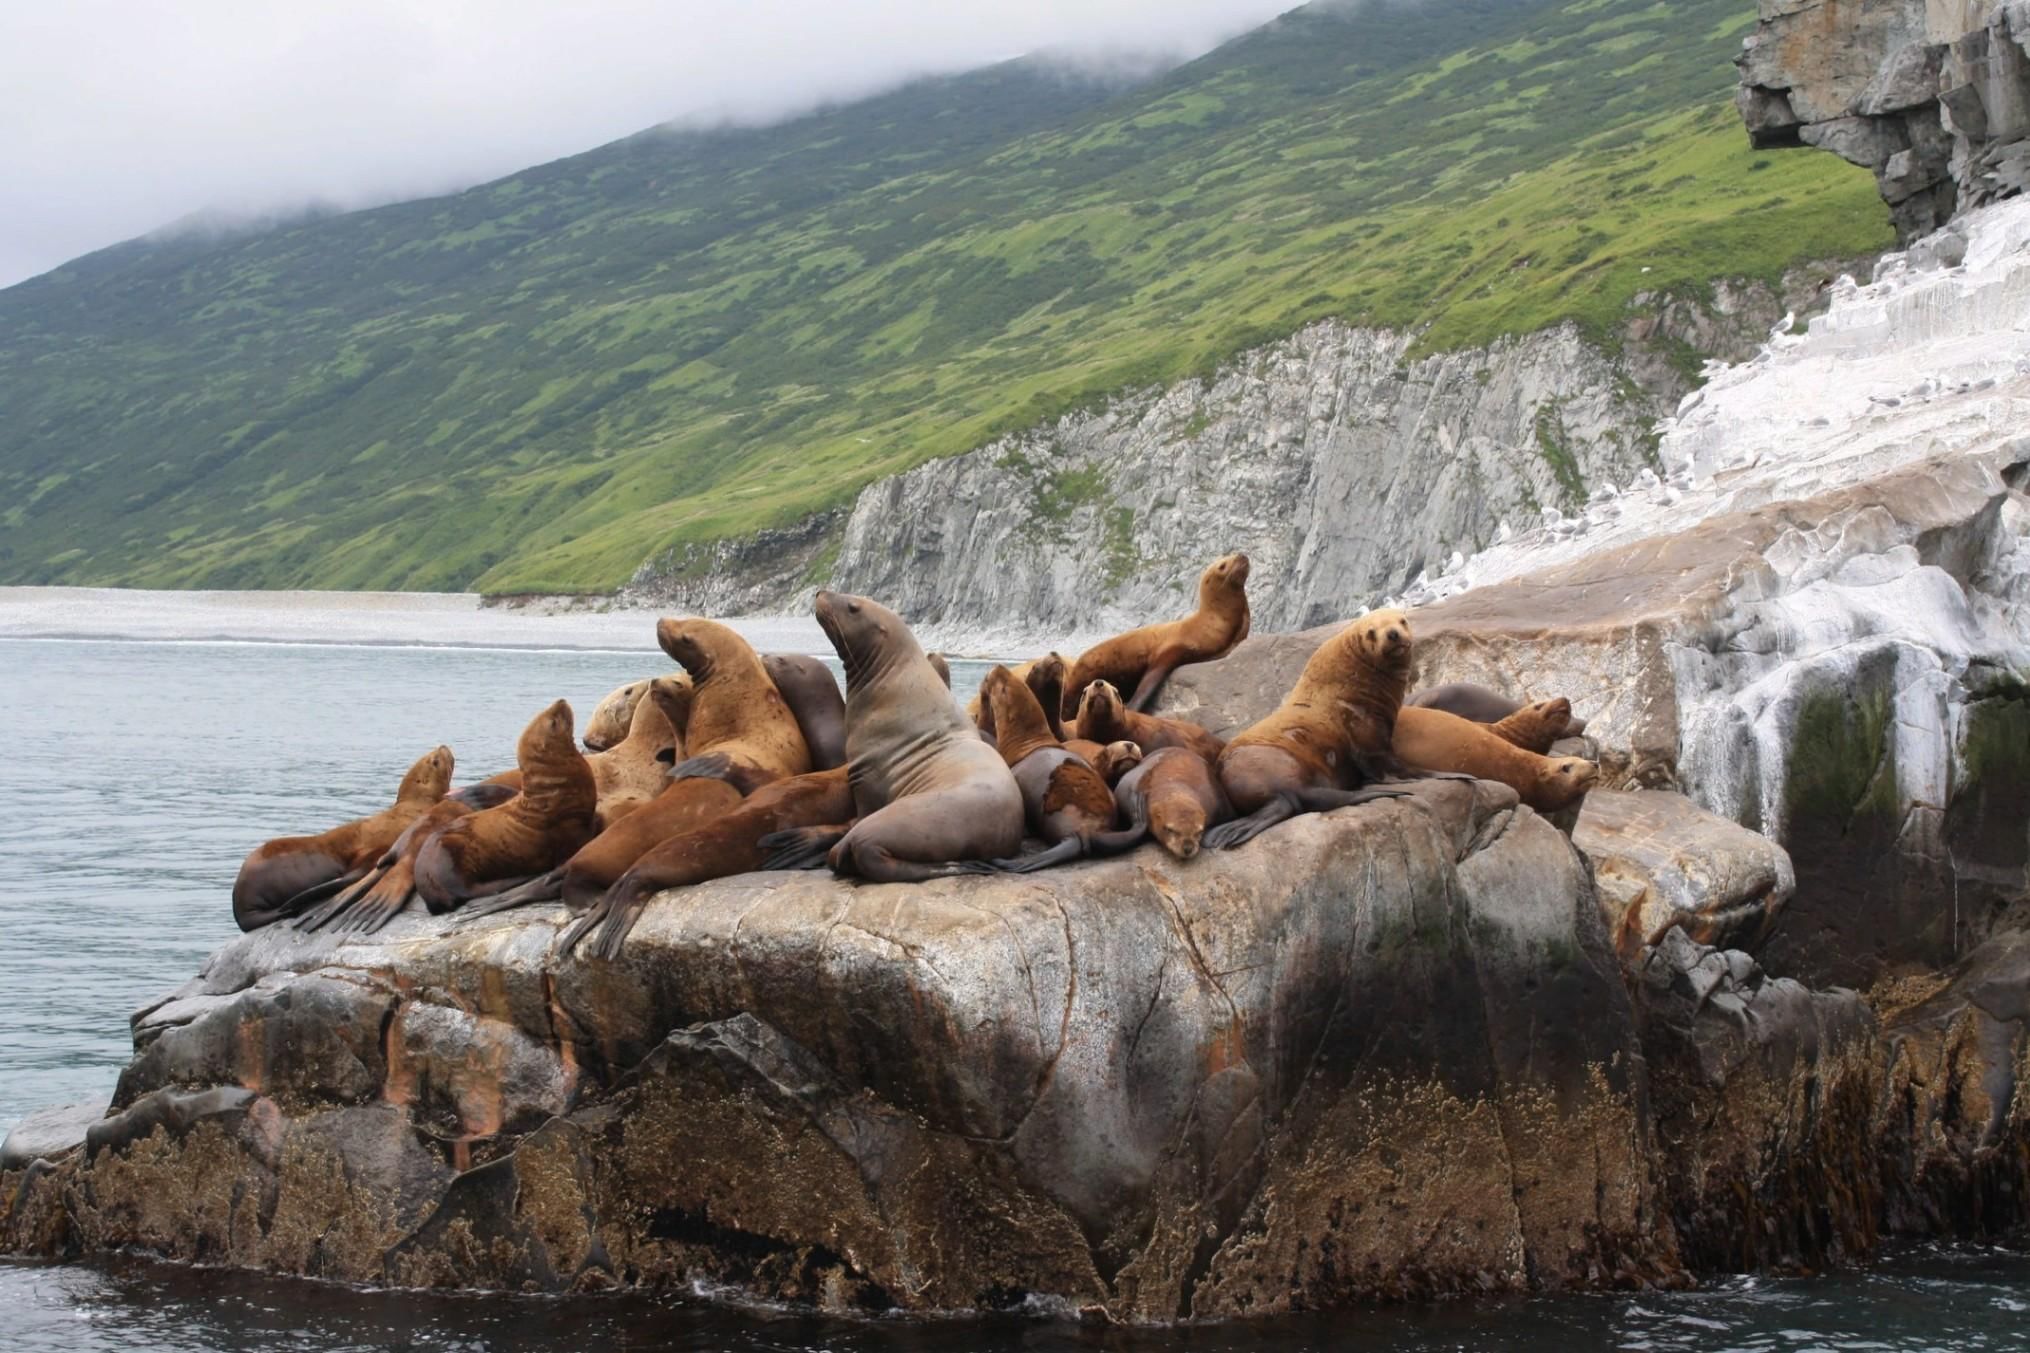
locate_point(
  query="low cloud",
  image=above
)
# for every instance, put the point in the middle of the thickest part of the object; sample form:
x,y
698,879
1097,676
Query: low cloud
x,y
122,116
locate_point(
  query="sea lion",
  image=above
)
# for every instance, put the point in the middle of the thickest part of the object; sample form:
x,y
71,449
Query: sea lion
x,y
636,768
1065,800
927,791
1117,759
1044,677
741,735
1432,740
1175,797
721,848
1103,717
1477,703
281,877
1535,726
493,849
808,688
1328,742
1141,659
941,666
612,716
379,897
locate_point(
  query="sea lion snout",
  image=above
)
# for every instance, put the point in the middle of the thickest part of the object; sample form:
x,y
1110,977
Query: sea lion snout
x,y
1235,566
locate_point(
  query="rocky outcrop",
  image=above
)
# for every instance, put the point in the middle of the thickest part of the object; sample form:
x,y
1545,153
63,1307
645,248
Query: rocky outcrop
x,y
1382,1053
1842,673
1932,95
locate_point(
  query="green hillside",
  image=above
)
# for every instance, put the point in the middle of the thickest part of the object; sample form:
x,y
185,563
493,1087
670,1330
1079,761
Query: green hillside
x,y
539,383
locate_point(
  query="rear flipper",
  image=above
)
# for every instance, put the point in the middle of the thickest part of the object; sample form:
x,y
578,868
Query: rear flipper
x,y
607,923
380,905
542,888
876,864
320,917
1293,803
318,892
800,847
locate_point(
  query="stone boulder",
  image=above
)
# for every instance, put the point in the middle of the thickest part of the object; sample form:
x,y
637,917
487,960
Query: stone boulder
x,y
1843,672
1933,97
1383,1052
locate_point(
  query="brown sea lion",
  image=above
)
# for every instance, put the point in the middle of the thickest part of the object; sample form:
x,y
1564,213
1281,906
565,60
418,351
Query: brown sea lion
x,y
1065,800
379,897
721,848
808,688
1432,740
1117,759
282,877
1328,742
1477,703
1103,717
493,849
1535,726
1139,660
1044,677
1175,797
927,791
941,666
637,768
740,731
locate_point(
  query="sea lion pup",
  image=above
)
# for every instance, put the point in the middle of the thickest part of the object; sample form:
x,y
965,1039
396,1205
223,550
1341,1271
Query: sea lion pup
x,y
1141,659
379,897
721,848
741,735
1065,800
1479,704
928,792
282,877
1328,741
1536,726
637,768
808,688
1174,796
1117,759
1044,677
495,848
1432,740
1103,718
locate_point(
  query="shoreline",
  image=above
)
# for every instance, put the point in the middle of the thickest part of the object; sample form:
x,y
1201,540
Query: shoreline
x,y
442,620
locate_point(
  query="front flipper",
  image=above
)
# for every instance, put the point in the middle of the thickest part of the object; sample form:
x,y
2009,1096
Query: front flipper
x,y
1241,830
1151,682
719,766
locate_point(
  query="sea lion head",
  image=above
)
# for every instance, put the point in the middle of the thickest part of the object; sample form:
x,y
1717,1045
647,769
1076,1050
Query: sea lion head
x,y
867,636
1553,714
1226,574
699,646
941,667
1181,825
1099,710
1567,780
1117,759
548,734
672,695
1383,639
611,717
429,778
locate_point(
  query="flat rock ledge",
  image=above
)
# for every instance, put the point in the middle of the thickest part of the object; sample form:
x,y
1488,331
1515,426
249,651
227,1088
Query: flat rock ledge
x,y
1384,1053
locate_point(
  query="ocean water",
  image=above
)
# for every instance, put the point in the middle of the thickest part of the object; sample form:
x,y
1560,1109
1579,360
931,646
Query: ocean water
x,y
135,776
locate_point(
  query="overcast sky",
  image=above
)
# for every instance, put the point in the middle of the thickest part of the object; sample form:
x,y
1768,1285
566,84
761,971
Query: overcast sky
x,y
120,116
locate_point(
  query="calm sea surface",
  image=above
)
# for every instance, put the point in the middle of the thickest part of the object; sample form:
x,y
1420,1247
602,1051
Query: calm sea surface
x,y
135,776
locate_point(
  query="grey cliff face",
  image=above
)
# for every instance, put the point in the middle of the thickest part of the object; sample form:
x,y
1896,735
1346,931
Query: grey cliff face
x,y
1932,95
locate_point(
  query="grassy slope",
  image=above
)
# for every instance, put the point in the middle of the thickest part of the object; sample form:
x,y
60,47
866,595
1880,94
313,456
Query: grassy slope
x,y
537,384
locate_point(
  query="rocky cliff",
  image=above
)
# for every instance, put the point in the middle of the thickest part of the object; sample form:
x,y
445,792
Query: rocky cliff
x,y
1932,95
1343,461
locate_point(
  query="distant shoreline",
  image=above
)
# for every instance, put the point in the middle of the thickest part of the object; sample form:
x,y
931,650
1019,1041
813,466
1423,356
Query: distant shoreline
x,y
376,620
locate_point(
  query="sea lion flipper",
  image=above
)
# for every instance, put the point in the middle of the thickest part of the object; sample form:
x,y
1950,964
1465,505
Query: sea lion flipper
x,y
542,888
1151,682
1241,830
1070,848
319,917
800,847
744,776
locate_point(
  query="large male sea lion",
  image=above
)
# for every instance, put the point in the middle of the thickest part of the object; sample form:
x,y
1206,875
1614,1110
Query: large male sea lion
x,y
1175,797
1065,800
808,688
378,898
1103,717
928,792
1139,660
1329,741
740,732
1477,703
283,876
493,849
1432,740
728,844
